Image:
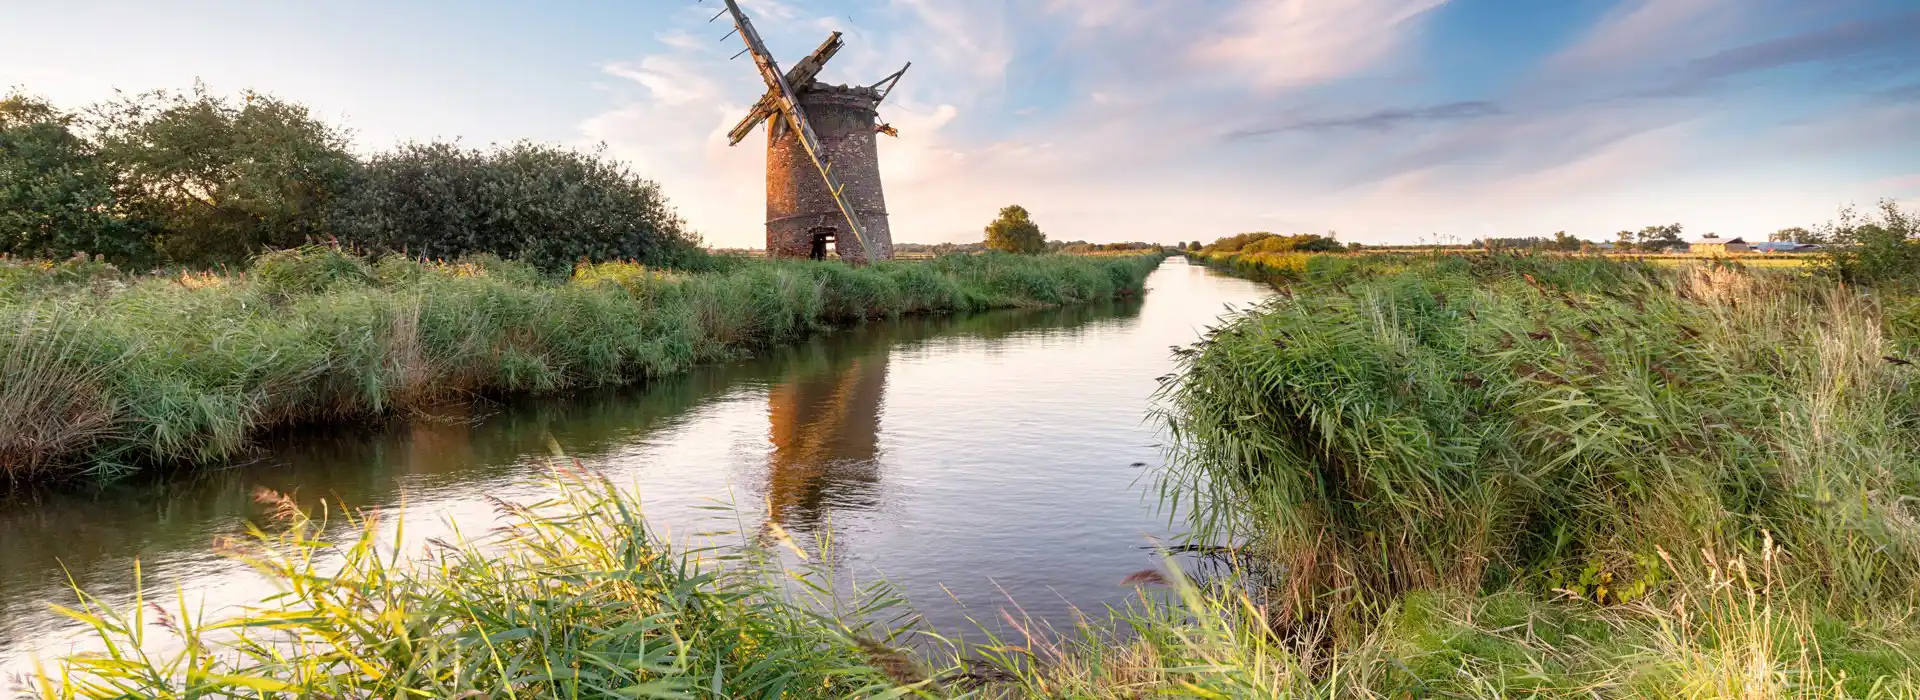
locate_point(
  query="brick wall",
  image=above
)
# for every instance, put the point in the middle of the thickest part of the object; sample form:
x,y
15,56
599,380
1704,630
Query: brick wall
x,y
797,197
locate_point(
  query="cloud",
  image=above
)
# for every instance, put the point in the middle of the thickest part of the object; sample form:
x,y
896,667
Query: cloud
x,y
1379,121
1842,41
1107,120
1289,43
672,80
1640,32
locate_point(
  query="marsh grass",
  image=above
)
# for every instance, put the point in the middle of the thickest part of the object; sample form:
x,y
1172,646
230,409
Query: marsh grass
x,y
1463,476
1472,422
572,596
193,368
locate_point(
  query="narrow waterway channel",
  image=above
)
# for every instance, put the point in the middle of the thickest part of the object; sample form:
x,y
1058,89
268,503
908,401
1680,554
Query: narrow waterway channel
x,y
974,462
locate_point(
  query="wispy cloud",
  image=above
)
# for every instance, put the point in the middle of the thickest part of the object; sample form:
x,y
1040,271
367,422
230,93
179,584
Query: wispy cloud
x,y
1289,43
1846,39
1383,120
1138,138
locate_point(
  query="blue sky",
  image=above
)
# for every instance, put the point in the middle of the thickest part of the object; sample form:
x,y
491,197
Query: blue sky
x,y
1384,120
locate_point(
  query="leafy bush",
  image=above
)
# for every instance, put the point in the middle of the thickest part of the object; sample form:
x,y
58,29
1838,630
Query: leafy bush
x,y
1015,232
201,180
1264,242
218,180
56,195
1881,249
547,206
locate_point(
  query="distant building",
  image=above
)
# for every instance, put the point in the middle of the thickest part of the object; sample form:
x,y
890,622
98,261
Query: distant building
x,y
1782,247
1715,245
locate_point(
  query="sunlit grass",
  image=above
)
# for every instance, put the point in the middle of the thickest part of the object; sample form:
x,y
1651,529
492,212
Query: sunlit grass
x,y
193,367
571,597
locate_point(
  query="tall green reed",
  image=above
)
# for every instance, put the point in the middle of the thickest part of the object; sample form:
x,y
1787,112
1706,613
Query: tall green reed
x,y
193,368
571,597
1474,422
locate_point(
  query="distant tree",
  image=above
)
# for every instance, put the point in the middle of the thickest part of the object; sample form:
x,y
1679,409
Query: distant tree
x,y
1658,238
1015,232
1267,242
1878,249
56,196
1194,246
1562,241
547,206
219,179
1796,234
1623,241
1355,246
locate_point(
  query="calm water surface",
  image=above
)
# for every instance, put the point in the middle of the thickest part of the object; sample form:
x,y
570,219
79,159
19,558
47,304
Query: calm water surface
x,y
975,463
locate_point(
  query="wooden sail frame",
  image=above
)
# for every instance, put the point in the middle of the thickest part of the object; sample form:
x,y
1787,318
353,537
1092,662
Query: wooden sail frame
x,y
788,103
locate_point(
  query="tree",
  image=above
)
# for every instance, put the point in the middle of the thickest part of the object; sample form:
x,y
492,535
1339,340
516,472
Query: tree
x,y
220,180
1874,250
56,196
546,206
1796,234
1015,232
1623,241
1658,238
1562,241
1194,246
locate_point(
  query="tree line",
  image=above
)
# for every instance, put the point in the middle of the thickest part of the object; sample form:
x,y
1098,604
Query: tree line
x,y
1268,242
191,178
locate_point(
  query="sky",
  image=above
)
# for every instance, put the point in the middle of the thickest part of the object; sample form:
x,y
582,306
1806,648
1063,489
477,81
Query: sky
x,y
1386,121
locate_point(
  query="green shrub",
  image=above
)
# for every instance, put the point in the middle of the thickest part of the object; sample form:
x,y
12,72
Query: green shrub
x,y
219,180
1880,250
1015,232
548,206
56,194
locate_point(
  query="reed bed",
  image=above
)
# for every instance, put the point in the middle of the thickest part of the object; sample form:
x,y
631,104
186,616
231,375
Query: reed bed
x,y
1478,476
1621,445
571,597
192,368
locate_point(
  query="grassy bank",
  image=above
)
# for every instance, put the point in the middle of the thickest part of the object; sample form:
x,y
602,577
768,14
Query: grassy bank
x,y
571,597
1479,475
102,374
1454,476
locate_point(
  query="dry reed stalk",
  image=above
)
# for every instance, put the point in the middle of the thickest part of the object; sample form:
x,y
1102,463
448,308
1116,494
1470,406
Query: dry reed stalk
x,y
51,405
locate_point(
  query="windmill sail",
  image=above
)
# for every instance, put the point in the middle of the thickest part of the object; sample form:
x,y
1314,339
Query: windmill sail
x,y
788,104
800,74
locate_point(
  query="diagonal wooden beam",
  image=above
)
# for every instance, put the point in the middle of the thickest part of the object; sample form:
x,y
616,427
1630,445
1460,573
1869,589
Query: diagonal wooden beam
x,y
797,119
798,76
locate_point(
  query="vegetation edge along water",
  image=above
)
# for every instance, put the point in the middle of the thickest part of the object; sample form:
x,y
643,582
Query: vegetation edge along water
x,y
1415,511
106,374
1565,475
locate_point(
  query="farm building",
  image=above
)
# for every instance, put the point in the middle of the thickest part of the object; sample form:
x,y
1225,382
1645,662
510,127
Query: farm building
x,y
1715,245
1782,247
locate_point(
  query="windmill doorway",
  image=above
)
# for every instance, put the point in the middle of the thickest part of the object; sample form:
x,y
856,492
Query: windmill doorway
x,y
822,236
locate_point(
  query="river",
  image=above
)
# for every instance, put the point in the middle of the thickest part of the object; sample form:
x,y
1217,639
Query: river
x,y
975,463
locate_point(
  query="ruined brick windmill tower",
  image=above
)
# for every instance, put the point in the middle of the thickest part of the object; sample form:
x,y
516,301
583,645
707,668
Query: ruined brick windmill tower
x,y
823,165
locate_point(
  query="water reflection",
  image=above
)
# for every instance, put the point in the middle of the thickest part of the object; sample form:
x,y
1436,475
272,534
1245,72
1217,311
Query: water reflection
x,y
826,436
820,451
967,460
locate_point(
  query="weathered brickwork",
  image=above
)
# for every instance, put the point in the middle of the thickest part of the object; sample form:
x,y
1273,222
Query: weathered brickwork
x,y
797,197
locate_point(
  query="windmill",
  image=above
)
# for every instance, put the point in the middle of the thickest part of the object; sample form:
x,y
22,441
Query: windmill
x,y
823,169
